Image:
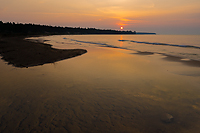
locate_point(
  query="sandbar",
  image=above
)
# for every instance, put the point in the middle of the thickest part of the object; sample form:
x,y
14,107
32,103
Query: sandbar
x,y
23,53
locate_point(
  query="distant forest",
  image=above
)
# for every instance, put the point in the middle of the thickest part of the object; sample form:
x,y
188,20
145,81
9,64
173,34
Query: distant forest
x,y
9,28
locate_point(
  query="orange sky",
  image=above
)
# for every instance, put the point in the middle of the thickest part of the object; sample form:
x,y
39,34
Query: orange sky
x,y
163,17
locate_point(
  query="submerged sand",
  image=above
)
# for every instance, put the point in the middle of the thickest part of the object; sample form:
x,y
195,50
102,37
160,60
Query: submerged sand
x,y
23,53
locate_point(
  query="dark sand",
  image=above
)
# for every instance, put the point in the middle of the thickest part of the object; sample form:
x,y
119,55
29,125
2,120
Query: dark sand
x,y
194,63
144,53
23,53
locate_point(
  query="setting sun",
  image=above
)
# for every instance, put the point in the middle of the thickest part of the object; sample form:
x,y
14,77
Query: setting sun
x,y
121,27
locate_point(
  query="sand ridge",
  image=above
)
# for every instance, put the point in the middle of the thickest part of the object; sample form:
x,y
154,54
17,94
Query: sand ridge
x,y
23,53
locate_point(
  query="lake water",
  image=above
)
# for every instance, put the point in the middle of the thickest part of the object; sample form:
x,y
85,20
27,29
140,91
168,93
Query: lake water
x,y
122,84
185,46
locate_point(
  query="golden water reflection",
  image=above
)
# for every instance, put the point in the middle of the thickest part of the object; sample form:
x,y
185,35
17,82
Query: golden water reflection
x,y
121,42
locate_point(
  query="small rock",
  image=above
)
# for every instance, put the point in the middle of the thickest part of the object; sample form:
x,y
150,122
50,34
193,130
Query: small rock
x,y
167,118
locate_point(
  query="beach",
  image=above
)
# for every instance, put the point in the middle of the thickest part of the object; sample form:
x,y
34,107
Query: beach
x,y
107,89
23,53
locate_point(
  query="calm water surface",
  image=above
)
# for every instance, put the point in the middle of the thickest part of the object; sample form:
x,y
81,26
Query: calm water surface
x,y
108,89
184,46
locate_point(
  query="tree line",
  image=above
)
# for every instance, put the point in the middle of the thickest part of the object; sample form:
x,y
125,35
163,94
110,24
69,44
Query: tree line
x,y
11,28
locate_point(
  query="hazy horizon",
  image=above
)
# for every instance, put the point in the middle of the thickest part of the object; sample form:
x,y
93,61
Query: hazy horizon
x,y
162,17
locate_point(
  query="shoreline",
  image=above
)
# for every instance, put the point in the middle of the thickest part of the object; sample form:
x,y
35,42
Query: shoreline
x,y
19,52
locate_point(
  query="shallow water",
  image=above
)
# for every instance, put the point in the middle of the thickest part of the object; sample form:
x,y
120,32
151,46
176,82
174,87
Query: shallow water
x,y
184,46
104,90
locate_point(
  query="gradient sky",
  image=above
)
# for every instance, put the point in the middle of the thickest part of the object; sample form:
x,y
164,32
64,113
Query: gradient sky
x,y
160,16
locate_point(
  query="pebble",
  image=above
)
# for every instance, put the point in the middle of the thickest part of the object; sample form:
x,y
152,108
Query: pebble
x,y
167,118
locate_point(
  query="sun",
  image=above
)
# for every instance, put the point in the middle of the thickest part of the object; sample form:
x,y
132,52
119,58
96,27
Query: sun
x,y
121,27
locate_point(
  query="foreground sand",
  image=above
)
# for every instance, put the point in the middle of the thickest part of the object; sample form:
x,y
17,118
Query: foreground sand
x,y
23,53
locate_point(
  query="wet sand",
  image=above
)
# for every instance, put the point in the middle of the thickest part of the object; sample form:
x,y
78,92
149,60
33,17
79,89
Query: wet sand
x,y
23,53
105,90
194,63
188,62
